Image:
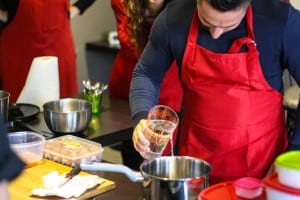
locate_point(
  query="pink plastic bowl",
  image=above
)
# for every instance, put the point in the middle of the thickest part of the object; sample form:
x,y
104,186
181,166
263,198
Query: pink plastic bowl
x,y
248,187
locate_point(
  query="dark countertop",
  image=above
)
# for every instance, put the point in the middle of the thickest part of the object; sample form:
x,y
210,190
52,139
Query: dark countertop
x,y
125,189
101,46
111,126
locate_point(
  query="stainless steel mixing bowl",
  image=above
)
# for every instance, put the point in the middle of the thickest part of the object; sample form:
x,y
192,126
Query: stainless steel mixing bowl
x,y
67,115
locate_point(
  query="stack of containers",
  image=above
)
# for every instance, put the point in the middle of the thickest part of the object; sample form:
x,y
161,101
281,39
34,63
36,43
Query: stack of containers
x,y
244,188
284,184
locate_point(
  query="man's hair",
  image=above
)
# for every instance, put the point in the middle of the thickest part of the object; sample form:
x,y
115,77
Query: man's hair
x,y
226,5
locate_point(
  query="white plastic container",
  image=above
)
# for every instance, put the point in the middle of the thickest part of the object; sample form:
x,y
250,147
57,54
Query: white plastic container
x,y
288,169
71,150
28,146
277,191
248,187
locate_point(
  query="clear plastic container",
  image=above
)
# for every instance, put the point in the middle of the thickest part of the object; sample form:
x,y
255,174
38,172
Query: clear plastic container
x,y
28,146
71,150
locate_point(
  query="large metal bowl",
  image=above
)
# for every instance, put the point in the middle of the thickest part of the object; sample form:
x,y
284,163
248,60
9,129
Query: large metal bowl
x,y
67,115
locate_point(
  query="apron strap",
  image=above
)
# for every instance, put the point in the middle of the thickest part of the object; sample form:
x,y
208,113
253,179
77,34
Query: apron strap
x,y
238,43
249,22
249,40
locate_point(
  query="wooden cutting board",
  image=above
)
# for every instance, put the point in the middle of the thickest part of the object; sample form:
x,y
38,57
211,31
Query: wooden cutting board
x,y
20,188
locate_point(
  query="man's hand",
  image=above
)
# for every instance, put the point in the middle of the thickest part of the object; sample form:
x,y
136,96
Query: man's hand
x,y
141,144
3,16
74,11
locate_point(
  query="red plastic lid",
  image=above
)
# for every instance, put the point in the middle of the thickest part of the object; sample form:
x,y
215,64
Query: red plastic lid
x,y
248,183
272,181
224,191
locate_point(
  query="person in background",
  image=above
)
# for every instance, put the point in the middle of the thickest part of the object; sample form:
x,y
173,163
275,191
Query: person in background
x,y
231,55
10,164
134,20
33,28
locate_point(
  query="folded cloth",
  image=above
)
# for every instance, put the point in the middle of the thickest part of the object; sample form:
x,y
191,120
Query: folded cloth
x,y
42,83
60,186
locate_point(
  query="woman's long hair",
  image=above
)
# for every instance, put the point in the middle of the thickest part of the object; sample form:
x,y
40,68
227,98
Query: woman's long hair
x,y
137,17
139,22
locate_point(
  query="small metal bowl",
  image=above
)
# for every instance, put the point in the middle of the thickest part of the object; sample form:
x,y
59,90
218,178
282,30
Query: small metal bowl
x,y
67,115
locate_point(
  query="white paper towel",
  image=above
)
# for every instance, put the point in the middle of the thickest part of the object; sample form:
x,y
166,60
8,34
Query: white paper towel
x,y
58,185
42,83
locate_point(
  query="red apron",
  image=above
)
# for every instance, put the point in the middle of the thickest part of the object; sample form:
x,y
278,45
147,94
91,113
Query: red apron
x,y
40,28
232,118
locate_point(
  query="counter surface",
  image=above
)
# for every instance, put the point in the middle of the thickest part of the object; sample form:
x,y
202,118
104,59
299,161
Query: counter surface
x,y
111,126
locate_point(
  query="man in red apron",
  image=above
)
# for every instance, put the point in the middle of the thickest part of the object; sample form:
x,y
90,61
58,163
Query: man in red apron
x,y
232,118
39,28
222,135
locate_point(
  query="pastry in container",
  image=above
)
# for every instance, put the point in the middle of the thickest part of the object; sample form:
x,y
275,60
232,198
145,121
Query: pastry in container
x,y
71,150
